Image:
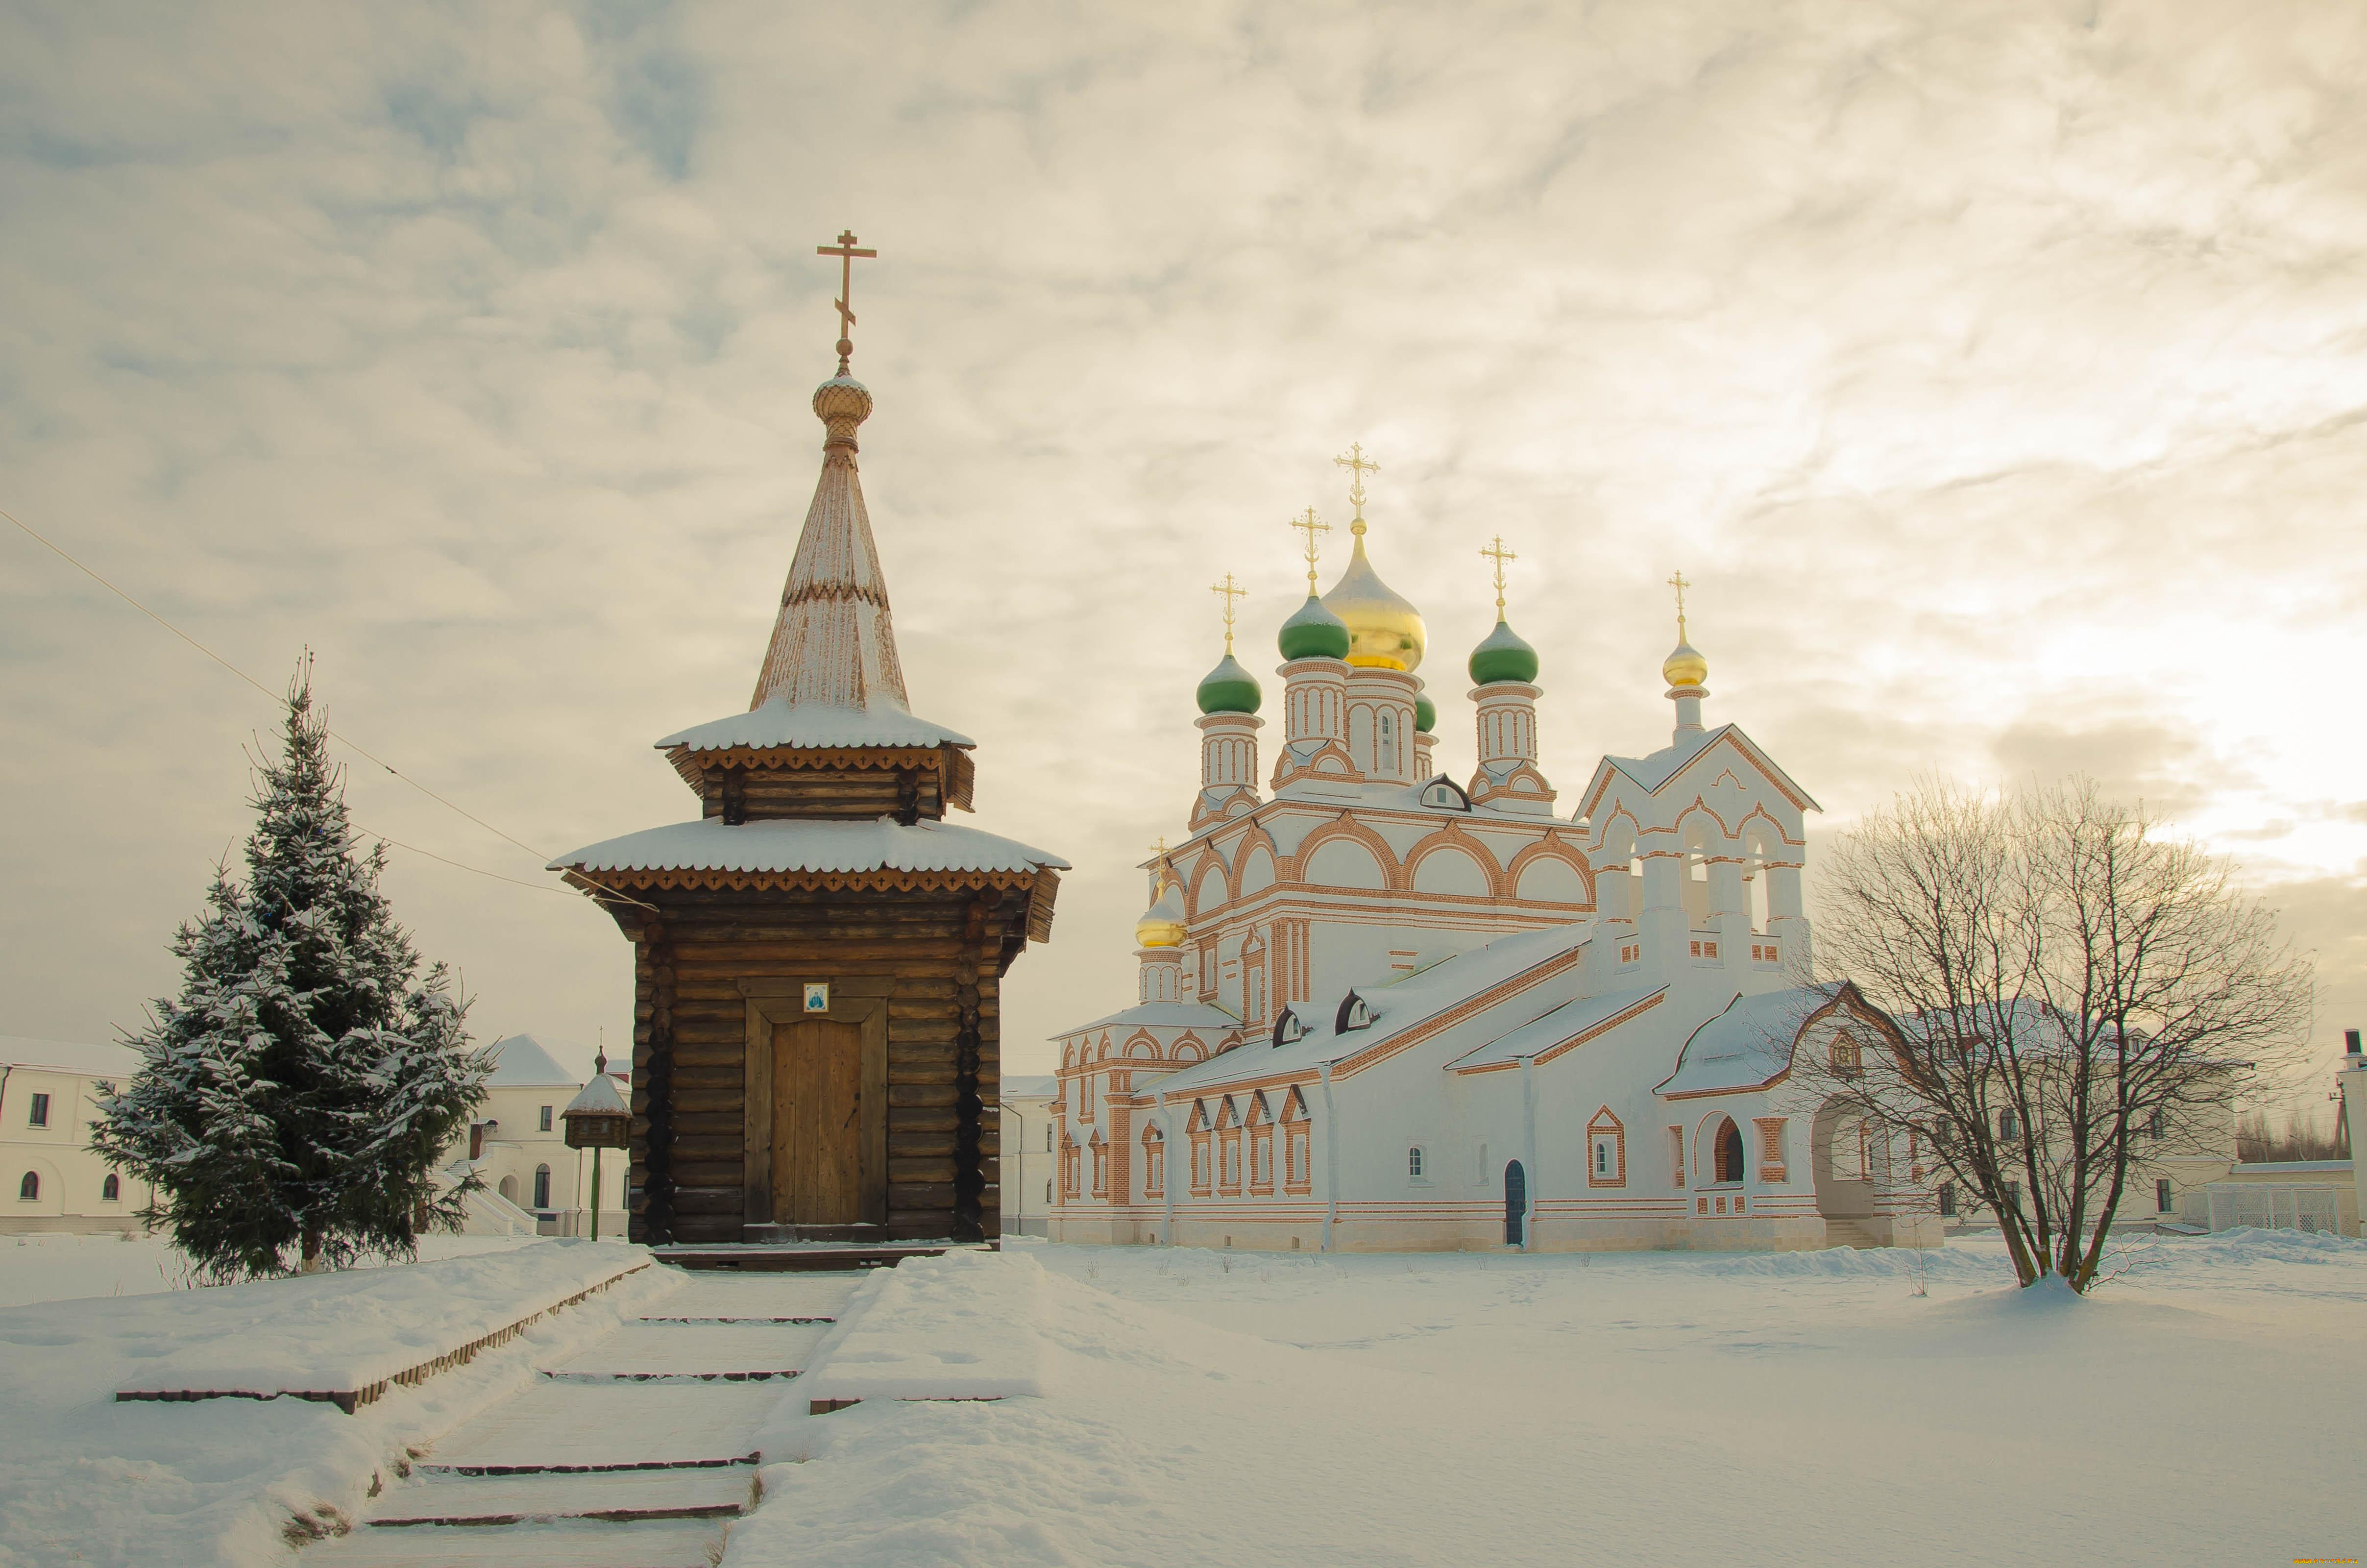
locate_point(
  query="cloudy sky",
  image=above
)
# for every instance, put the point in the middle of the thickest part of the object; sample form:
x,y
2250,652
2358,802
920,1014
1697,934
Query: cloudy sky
x,y
1998,373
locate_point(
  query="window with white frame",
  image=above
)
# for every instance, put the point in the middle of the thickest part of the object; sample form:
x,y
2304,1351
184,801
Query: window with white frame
x,y
1414,1163
1606,1155
544,1124
38,1114
2163,1202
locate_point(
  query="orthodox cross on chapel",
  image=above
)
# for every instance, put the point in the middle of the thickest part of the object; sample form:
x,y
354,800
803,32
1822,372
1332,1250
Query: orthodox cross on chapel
x,y
1358,465
1311,527
847,251
1678,582
1499,555
1232,592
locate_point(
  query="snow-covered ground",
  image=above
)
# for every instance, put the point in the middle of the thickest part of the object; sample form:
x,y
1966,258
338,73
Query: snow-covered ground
x,y
1800,1408
67,1268
85,1479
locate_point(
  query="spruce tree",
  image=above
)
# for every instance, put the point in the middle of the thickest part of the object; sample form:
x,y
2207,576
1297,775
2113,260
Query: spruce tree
x,y
295,1097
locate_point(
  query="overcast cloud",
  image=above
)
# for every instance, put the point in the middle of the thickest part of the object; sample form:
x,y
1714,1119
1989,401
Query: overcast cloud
x,y
1997,373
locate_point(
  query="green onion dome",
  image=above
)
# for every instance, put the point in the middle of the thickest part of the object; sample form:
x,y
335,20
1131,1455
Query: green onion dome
x,y
1314,633
1229,689
1425,714
1502,655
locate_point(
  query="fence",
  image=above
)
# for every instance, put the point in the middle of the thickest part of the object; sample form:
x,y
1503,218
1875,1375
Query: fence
x,y
2274,1206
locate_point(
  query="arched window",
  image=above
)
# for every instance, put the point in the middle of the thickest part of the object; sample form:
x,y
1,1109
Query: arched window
x,y
1729,1151
1606,1151
111,1189
1413,1162
1154,1162
542,1186
30,1188
1388,742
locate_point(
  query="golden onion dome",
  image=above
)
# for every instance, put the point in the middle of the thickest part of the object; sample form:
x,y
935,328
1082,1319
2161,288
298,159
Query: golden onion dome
x,y
1684,666
1385,631
1161,924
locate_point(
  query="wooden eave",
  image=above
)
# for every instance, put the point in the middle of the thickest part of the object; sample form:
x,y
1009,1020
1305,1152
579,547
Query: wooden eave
x,y
956,773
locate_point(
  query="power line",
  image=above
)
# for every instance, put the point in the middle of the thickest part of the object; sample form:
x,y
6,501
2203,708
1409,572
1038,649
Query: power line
x,y
342,740
62,554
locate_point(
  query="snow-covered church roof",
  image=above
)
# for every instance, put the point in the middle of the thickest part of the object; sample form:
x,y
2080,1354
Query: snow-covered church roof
x,y
777,844
1749,1046
1571,1024
520,1062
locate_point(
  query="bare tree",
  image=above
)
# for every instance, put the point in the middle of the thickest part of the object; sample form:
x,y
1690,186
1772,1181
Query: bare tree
x,y
2070,989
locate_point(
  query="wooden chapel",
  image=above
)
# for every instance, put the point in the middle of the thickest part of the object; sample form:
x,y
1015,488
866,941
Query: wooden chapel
x,y
817,959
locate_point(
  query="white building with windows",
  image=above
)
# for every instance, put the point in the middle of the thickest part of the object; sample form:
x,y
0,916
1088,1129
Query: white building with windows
x,y
1379,1009
1028,1155
516,1144
50,1178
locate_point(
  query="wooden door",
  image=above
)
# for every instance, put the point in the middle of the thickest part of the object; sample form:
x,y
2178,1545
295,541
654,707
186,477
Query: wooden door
x,y
818,1123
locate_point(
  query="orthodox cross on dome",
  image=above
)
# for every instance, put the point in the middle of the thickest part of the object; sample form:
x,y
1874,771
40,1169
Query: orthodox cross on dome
x,y
1232,591
1678,582
1311,527
847,251
1358,465
1499,555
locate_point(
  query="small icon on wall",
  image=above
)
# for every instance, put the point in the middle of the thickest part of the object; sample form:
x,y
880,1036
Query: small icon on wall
x,y
817,996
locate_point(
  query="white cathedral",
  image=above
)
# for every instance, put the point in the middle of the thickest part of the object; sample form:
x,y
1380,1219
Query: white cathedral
x,y
1383,1011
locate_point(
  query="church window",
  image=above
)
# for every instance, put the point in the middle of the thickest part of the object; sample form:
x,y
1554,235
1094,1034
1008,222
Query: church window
x,y
1677,1157
1388,743
1232,1163
1354,1014
1101,1168
1154,1163
1048,1189
544,1125
111,1189
39,1113
542,1186
1414,1164
1048,1139
29,1187
1606,1150
2009,1125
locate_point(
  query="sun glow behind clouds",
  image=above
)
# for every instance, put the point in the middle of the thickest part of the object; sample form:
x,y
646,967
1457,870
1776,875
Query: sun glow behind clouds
x,y
1996,373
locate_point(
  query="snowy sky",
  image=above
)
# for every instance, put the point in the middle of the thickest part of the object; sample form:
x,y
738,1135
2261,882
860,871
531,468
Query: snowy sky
x,y
1997,373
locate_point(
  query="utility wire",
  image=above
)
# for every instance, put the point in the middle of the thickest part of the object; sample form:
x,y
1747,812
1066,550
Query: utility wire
x,y
60,553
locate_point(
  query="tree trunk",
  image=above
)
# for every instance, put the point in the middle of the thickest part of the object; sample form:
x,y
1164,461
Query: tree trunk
x,y
312,1246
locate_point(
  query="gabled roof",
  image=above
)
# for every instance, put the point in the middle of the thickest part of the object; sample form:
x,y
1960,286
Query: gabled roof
x,y
521,1062
599,1096
1424,1001
774,845
1653,773
1748,1045
1567,1027
1164,1016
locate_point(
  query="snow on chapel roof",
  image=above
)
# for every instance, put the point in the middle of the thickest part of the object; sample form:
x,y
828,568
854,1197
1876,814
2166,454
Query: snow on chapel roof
x,y
777,722
1748,1045
885,844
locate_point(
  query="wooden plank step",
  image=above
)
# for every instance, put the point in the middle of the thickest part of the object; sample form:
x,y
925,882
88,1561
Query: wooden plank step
x,y
560,1427
519,1499
684,1352
654,1543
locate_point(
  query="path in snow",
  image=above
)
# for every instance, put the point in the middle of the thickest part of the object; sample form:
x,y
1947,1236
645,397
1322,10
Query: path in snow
x,y
634,1452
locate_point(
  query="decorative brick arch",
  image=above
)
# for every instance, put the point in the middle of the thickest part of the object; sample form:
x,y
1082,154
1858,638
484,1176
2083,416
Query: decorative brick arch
x,y
1702,808
1620,829
1197,883
1774,830
1189,1047
1453,837
1340,826
1253,838
1143,1046
1552,848
1103,1054
1068,1053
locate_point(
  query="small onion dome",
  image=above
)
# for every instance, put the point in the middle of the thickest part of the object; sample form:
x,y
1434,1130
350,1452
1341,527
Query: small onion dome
x,y
1314,633
1161,924
1425,714
1684,666
1502,655
1385,631
1229,689
842,397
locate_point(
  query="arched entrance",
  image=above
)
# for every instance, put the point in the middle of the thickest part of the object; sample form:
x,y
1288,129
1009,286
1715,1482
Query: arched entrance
x,y
1729,1151
1836,1161
1516,1202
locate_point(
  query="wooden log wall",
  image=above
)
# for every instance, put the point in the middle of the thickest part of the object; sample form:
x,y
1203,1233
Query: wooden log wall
x,y
749,794
944,954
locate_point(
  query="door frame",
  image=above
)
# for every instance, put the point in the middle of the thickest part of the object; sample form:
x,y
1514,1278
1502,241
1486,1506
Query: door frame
x,y
862,1001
